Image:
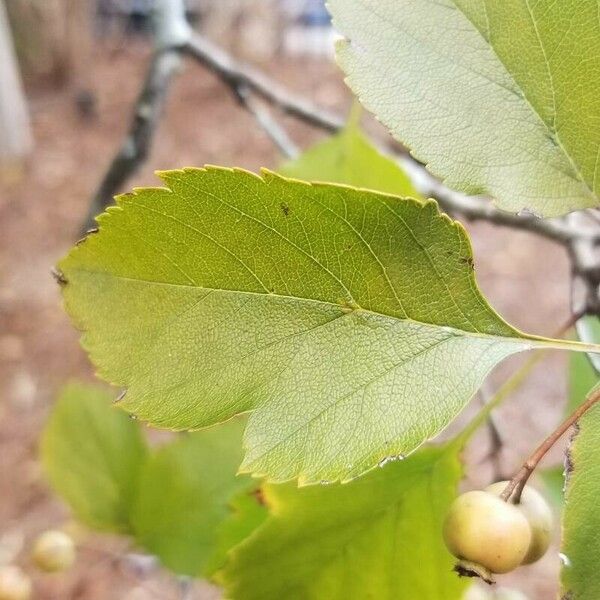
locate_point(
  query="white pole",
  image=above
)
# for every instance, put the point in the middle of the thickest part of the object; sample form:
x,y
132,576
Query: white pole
x,y
15,130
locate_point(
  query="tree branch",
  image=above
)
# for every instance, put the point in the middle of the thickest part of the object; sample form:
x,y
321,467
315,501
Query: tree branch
x,y
480,209
236,75
266,121
136,145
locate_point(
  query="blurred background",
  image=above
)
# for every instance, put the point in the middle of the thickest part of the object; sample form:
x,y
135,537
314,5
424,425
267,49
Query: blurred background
x,y
70,74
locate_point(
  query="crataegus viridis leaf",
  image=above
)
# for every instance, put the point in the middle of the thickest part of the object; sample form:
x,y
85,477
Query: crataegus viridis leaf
x,y
348,157
378,536
497,97
92,454
182,512
581,518
347,322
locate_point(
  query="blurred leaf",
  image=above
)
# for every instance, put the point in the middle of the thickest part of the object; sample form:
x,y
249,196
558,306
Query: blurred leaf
x,y
553,480
92,454
582,375
377,537
581,517
347,322
247,512
185,492
349,158
479,91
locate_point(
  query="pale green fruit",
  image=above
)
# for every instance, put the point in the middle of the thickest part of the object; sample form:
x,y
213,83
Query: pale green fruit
x,y
483,529
53,551
14,584
539,514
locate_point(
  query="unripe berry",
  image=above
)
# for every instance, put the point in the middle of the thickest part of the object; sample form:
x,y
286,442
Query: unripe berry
x,y
53,551
14,584
539,514
483,529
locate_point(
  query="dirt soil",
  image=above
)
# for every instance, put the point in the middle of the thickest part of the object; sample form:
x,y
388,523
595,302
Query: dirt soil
x,y
40,214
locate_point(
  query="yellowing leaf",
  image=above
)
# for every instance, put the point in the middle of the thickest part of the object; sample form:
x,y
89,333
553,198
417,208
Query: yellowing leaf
x,y
497,96
347,322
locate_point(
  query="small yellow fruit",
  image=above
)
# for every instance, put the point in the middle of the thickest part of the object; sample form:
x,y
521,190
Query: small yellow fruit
x,y
483,529
53,551
539,514
14,584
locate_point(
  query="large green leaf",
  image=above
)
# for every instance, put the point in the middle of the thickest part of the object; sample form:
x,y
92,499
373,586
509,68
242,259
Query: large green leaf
x,y
92,454
182,510
376,537
348,322
581,517
498,97
348,157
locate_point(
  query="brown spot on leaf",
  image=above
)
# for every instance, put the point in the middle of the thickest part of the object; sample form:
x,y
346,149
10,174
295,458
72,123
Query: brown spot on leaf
x,y
259,496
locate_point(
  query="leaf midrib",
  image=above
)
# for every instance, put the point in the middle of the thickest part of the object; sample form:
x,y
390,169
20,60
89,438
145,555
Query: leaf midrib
x,y
523,338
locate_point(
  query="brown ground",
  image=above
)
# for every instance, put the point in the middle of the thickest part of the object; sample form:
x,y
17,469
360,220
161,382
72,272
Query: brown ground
x,y
526,279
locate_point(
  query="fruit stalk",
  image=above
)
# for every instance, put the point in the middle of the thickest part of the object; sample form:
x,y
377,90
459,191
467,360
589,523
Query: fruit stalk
x,y
515,486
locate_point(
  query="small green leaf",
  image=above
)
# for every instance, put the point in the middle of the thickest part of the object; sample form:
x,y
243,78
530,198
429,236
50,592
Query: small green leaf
x,y
347,322
378,536
581,517
184,498
349,158
92,454
499,97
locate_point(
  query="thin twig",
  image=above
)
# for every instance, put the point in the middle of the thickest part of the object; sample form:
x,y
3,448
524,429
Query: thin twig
x,y
266,121
517,483
237,75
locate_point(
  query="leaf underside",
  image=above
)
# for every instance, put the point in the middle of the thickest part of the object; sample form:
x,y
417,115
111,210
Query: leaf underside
x,y
498,98
347,322
376,537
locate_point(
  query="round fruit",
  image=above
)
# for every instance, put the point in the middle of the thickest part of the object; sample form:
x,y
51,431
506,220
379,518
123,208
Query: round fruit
x,y
483,529
14,584
53,551
539,514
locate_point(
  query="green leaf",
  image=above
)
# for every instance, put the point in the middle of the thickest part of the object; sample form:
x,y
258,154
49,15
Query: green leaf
x,y
184,498
553,480
582,375
581,517
498,97
347,322
92,454
349,158
376,537
247,511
